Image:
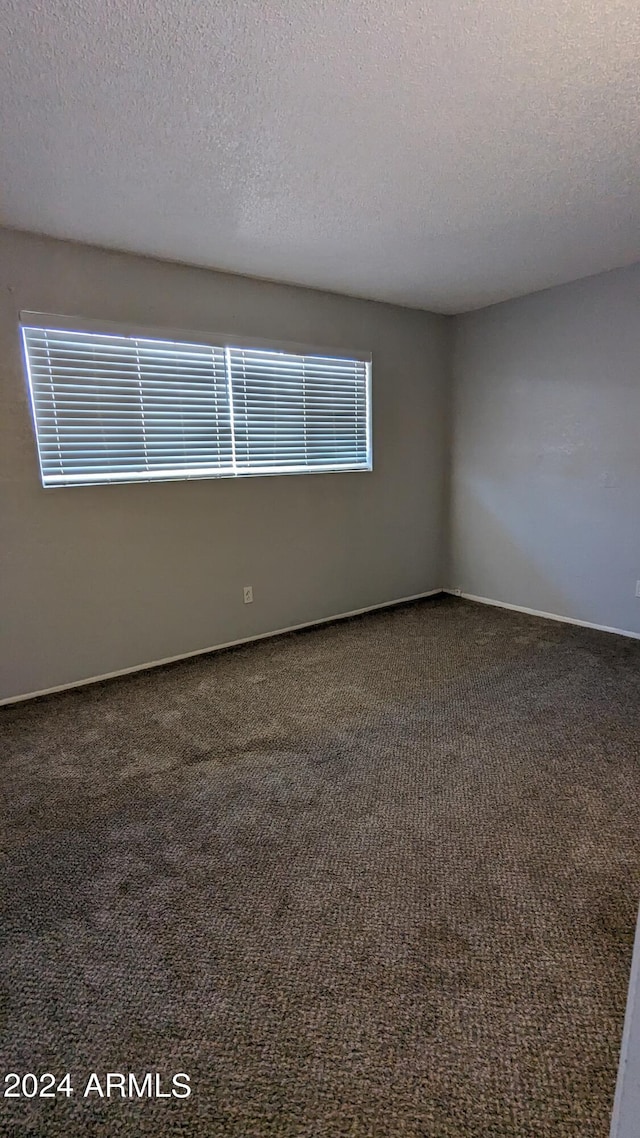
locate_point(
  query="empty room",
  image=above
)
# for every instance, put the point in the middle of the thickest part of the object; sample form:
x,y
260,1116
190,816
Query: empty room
x,y
320,569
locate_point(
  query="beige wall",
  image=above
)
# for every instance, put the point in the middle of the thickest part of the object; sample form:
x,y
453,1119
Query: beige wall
x,y
546,455
95,579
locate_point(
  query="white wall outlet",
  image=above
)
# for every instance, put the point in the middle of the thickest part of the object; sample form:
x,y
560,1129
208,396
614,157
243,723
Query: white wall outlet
x,y
638,588
457,592
248,594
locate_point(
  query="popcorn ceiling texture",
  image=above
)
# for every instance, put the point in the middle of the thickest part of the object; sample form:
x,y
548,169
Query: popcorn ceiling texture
x,y
443,156
377,880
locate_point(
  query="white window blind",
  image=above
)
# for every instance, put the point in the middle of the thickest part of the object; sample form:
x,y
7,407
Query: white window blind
x,y
294,412
120,408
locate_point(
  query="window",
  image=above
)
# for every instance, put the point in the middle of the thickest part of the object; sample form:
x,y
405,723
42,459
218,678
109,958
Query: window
x,y
125,408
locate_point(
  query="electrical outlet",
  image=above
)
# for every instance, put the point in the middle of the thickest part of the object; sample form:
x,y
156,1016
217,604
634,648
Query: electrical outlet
x,y
248,594
457,592
638,588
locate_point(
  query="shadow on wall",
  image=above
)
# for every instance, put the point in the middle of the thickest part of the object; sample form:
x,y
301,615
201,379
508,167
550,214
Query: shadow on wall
x,y
526,544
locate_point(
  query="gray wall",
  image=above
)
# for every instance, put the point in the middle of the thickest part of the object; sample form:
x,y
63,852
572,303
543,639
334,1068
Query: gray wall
x,y
546,451
95,579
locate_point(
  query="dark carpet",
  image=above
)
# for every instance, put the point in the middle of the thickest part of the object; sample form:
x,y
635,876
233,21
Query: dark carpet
x,y
375,879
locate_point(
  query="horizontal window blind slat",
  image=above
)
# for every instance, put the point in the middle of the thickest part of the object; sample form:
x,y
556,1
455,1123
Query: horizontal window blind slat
x,y
63,399
102,379
283,362
129,428
83,454
96,478
199,402
45,361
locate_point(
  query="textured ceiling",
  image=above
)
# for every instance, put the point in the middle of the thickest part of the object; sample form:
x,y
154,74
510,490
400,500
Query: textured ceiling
x,y
442,155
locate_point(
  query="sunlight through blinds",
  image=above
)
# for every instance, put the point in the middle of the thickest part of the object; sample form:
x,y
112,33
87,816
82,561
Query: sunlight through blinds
x,y
115,408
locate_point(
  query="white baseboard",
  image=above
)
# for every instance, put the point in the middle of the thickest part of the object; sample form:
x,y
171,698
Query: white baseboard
x,y
546,615
219,647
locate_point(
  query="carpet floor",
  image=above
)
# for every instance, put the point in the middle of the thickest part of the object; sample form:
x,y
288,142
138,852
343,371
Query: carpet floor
x,y
377,879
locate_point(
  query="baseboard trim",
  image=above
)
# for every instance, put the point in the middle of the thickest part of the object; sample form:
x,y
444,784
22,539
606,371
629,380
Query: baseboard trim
x,y
546,615
219,647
